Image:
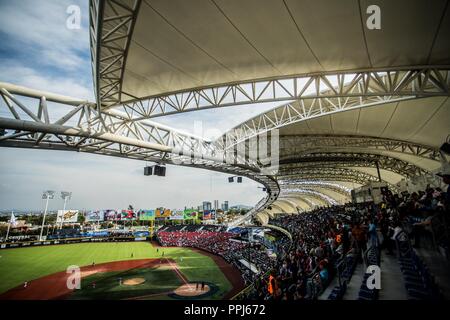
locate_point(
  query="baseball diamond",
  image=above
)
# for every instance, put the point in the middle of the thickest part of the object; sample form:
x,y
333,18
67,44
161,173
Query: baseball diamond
x,y
107,272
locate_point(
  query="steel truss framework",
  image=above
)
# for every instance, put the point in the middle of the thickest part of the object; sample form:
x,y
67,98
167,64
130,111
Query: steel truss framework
x,y
109,133
302,144
111,29
111,21
366,88
340,159
307,96
330,174
308,192
128,134
335,187
313,94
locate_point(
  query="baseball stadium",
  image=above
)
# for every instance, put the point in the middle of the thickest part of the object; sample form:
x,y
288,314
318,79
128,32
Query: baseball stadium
x,y
336,113
120,270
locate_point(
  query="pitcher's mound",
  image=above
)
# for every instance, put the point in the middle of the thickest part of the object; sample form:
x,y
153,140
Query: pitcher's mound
x,y
133,281
192,290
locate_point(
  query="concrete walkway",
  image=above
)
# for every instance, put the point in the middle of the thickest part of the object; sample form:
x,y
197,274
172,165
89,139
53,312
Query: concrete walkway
x,y
355,283
392,282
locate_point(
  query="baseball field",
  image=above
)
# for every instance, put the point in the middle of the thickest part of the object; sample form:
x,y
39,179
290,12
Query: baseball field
x,y
116,270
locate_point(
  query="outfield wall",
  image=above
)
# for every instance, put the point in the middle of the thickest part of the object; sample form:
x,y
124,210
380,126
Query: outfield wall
x,y
68,241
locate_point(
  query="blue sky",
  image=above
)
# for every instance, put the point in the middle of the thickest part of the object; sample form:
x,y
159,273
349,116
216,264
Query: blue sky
x,y
38,51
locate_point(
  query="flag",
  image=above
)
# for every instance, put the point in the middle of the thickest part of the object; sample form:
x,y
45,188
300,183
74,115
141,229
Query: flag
x,y
13,221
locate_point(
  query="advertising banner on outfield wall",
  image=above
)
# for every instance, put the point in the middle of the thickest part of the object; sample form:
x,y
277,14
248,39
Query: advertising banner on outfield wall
x,y
146,215
128,215
67,216
162,213
209,215
177,215
95,215
190,214
110,214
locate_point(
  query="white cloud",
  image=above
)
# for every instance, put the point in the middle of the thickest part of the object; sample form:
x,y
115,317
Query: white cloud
x,y
41,29
102,182
42,53
218,119
31,78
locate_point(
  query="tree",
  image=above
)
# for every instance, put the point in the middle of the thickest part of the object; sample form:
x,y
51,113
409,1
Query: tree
x,y
243,211
81,218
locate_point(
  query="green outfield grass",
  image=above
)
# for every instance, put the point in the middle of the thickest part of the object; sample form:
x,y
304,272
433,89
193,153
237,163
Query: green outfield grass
x,y
157,283
25,264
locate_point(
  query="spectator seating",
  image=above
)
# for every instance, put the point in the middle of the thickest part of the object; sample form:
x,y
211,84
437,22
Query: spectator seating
x,y
419,282
371,257
345,269
212,239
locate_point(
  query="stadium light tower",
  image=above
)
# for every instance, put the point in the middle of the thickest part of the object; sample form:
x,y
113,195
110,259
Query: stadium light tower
x,y
46,195
65,196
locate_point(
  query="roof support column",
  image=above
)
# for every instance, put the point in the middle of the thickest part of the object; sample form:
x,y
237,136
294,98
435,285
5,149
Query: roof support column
x,y
378,170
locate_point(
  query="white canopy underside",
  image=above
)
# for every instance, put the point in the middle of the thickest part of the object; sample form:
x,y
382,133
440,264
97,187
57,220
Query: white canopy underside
x,y
183,45
178,45
421,121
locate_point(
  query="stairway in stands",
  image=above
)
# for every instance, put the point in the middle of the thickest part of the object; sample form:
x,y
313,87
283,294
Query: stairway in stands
x,y
392,284
409,274
355,283
404,276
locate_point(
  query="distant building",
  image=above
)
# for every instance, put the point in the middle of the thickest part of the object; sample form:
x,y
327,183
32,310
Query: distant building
x,y
225,206
216,205
207,205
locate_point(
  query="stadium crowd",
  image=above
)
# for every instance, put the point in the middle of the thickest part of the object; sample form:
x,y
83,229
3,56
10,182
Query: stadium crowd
x,y
222,243
324,236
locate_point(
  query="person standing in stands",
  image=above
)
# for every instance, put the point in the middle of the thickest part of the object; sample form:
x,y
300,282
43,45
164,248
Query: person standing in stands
x,y
360,238
372,233
345,238
445,175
